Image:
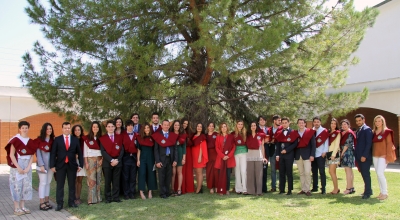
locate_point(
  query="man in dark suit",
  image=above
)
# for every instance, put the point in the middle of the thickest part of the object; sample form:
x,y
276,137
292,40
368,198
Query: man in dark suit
x,y
136,126
63,161
363,153
112,151
165,157
264,129
155,126
285,145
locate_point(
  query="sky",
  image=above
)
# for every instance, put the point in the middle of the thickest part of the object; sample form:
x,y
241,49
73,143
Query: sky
x,y
17,36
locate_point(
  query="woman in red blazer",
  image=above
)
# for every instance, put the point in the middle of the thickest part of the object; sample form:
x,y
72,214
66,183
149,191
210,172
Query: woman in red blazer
x,y
225,147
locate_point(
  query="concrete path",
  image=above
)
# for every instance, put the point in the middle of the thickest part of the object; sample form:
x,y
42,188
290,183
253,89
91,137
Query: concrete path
x,y
7,205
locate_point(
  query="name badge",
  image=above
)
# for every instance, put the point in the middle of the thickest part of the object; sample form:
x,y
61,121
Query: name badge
x,y
239,141
333,135
319,140
46,147
163,141
23,151
289,139
226,152
258,138
117,147
379,137
214,136
91,142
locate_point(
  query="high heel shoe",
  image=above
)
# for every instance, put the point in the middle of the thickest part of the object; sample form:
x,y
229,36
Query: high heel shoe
x,y
347,191
200,191
336,192
352,190
43,207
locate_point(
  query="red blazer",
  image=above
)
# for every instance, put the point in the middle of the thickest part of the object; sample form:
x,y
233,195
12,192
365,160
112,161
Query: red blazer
x,y
219,142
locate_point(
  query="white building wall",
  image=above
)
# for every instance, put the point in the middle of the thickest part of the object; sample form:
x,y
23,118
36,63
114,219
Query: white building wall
x,y
17,103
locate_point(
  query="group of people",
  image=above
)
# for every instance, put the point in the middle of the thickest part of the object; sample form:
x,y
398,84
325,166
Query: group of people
x,y
129,152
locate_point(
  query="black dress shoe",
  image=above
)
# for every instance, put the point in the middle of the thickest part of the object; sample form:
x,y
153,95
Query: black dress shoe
x,y
323,192
117,200
59,207
164,197
108,201
366,196
282,192
73,205
132,197
314,190
289,193
126,197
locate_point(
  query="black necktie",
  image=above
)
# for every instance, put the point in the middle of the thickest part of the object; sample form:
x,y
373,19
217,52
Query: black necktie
x,y
130,133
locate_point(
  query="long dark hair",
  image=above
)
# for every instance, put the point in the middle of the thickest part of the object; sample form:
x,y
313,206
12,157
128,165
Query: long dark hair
x,y
73,131
122,123
43,135
188,129
337,125
180,131
203,129
91,134
141,133
249,132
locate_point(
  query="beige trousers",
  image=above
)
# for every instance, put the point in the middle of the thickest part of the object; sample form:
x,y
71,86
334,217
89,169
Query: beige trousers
x,y
304,167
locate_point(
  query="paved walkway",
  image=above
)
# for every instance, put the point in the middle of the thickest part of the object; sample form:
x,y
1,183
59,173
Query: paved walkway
x,y
7,205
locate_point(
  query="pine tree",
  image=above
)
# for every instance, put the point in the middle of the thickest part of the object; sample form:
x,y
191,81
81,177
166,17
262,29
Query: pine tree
x,y
206,60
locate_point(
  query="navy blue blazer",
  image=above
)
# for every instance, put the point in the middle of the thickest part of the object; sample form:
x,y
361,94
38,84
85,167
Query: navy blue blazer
x,y
363,147
306,152
289,147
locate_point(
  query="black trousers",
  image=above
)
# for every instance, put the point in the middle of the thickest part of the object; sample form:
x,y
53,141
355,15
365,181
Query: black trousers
x,y
165,176
129,172
112,176
366,175
265,171
286,171
318,165
66,171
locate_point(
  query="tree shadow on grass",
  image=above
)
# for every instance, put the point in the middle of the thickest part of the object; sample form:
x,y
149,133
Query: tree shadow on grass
x,y
188,206
354,200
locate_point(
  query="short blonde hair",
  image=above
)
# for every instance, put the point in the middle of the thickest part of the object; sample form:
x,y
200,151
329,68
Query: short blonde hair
x,y
383,123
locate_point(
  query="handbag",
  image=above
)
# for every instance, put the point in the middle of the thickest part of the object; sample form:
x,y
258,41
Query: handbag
x,y
329,155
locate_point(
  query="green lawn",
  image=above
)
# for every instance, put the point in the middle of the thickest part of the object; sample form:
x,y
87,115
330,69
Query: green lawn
x,y
270,205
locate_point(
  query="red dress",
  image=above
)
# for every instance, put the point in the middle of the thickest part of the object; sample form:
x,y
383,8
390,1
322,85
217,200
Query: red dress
x,y
187,169
196,152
